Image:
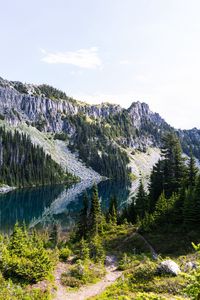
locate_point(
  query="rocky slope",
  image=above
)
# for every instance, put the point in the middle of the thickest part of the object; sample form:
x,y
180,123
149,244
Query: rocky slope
x,y
109,127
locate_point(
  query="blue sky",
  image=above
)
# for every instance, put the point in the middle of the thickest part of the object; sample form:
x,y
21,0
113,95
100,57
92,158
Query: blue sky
x,y
108,50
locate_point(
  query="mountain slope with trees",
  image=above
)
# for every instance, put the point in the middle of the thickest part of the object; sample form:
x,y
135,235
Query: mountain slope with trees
x,y
99,134
24,164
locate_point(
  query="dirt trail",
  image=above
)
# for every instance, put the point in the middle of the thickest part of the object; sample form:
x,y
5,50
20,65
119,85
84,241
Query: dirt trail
x,y
85,292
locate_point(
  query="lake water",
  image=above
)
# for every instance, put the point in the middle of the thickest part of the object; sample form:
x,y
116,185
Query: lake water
x,y
41,206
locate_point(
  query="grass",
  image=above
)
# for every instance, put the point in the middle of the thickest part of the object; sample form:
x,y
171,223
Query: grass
x,y
82,273
140,279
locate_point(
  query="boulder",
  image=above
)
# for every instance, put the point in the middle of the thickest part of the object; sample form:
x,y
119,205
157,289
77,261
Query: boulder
x,y
168,267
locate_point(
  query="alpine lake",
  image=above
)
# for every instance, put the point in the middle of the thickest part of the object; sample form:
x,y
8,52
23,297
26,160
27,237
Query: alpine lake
x,y
42,206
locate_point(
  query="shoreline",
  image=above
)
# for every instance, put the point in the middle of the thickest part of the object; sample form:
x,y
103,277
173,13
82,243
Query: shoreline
x,y
4,189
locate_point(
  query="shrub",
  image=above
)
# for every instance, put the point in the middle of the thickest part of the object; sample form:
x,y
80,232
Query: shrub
x,y
24,257
64,254
83,273
97,252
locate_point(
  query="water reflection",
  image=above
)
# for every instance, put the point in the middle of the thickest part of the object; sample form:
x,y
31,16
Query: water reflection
x,y
40,206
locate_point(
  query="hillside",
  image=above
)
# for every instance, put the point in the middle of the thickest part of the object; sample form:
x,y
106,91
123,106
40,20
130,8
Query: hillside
x,y
105,136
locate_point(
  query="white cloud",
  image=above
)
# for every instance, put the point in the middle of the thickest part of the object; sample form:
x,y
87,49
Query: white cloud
x,y
83,58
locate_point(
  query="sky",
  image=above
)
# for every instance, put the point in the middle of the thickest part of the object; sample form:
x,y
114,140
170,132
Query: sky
x,y
118,51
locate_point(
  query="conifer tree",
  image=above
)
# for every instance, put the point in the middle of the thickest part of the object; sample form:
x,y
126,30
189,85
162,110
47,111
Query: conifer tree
x,y
97,251
131,213
161,206
192,171
174,168
84,250
54,235
83,218
189,209
141,204
196,203
112,211
95,213
156,184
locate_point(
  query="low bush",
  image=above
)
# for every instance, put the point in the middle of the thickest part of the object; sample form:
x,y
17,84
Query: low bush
x,y
64,254
24,258
83,272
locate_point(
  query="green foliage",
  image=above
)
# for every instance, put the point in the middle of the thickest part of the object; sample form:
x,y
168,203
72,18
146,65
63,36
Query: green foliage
x,y
24,257
51,92
193,289
24,164
84,251
192,171
64,254
62,136
11,291
125,262
83,228
54,236
82,273
113,211
97,252
141,201
95,217
93,140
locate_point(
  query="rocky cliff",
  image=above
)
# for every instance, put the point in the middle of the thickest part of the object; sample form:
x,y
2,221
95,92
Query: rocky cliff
x,y
99,133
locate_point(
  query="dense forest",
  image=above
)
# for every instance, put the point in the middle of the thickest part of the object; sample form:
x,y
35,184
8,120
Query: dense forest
x,y
174,192
24,164
97,149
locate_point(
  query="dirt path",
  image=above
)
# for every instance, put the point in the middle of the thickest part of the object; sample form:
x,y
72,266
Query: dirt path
x,y
85,292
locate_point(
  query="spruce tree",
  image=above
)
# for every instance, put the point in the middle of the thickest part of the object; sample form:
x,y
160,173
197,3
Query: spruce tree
x,y
95,213
112,211
174,167
161,207
83,219
84,252
156,184
141,204
192,171
54,235
189,209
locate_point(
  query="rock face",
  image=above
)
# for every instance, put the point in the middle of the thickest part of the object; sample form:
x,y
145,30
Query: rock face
x,y
25,102
168,267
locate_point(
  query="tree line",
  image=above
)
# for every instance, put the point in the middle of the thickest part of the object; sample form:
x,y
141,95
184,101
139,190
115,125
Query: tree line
x,y
173,196
24,164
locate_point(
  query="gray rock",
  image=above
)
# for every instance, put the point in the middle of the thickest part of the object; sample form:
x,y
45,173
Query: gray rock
x,y
190,266
168,267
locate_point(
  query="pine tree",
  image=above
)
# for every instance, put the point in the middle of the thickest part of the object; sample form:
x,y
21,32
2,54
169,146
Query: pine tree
x,y
95,213
192,171
131,213
196,204
174,167
141,204
84,251
54,235
161,207
83,219
189,209
156,184
97,251
112,211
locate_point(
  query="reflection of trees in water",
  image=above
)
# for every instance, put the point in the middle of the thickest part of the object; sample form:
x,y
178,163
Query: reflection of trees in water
x,y
106,189
23,205
28,204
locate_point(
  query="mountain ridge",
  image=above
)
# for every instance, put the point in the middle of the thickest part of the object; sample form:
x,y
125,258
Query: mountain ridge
x,y
99,134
